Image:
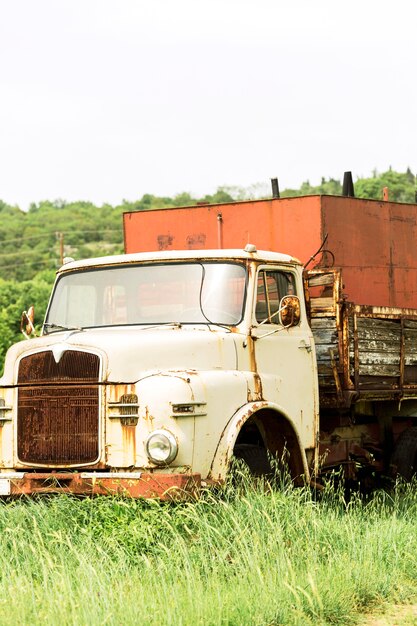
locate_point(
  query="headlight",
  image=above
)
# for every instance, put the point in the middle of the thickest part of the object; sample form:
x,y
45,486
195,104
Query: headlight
x,y
161,447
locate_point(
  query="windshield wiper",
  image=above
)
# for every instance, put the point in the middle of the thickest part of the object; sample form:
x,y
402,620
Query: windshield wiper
x,y
150,325
60,327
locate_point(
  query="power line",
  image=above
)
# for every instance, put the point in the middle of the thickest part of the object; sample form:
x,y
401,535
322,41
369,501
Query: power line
x,y
2,241
34,252
44,262
60,241
20,252
53,233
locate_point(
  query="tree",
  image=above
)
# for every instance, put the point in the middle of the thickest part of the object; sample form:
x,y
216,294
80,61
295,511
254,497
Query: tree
x,y
16,297
401,186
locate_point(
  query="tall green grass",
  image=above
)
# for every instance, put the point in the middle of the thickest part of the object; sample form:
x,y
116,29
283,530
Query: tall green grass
x,y
246,555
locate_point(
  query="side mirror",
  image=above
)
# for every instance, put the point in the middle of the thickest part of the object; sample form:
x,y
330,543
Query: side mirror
x,y
27,320
289,311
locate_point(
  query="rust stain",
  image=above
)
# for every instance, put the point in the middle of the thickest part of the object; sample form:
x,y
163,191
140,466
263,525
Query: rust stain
x,y
164,241
129,444
196,241
117,391
148,417
163,486
254,368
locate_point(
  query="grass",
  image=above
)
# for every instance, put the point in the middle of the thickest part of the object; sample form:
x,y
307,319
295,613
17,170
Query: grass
x,y
246,555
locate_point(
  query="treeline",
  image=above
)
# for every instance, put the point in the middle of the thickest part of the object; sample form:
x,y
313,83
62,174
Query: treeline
x,y
401,187
33,242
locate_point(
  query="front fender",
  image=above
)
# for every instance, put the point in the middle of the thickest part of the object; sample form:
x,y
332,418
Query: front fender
x,y
224,451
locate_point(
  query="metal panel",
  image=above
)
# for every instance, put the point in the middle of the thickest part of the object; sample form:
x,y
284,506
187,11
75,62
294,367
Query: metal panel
x,y
281,225
374,244
372,241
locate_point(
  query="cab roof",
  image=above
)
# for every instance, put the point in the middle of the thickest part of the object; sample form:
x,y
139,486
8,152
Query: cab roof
x,y
181,255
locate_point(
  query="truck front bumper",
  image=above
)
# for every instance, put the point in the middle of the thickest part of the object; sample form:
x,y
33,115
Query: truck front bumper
x,y
130,484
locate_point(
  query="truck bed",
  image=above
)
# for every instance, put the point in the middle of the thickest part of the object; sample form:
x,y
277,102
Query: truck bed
x,y
363,352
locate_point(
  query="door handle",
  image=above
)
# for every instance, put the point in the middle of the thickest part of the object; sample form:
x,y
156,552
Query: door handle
x,y
304,345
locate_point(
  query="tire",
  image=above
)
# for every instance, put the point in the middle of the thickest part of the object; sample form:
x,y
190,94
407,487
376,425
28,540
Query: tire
x,y
404,457
255,457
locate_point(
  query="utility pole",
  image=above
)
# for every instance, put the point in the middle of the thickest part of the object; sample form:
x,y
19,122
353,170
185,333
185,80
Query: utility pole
x,y
60,237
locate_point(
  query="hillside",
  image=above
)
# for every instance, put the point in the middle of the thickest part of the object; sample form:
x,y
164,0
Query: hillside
x,y
34,242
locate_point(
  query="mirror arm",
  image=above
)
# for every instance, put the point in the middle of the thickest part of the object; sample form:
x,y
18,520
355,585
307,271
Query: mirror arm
x,y
268,319
272,332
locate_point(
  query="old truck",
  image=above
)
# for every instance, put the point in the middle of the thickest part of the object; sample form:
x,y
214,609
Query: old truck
x,y
202,343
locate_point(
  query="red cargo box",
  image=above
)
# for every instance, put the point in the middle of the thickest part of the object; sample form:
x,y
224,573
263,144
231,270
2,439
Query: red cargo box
x,y
373,242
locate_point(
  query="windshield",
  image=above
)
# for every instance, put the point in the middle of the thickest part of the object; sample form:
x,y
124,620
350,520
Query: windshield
x,y
148,294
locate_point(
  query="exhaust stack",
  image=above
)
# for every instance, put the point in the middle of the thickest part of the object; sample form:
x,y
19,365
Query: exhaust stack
x,y
275,188
348,189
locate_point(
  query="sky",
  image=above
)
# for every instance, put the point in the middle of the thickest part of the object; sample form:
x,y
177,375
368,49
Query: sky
x,y
106,100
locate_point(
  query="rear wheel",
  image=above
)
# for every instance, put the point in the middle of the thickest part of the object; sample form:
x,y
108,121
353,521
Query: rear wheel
x,y
404,457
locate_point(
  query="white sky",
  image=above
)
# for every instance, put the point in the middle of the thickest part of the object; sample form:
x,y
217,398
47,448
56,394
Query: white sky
x,y
108,99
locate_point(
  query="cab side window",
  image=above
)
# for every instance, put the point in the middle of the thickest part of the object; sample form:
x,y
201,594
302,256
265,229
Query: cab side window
x,y
271,287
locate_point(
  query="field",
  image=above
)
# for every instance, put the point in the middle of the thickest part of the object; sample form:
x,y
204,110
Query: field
x,y
246,555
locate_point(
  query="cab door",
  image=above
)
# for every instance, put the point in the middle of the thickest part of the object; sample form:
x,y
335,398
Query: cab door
x,y
285,357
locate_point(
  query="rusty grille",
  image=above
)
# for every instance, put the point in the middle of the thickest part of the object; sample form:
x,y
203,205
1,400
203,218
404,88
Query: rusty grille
x,y
73,366
58,420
